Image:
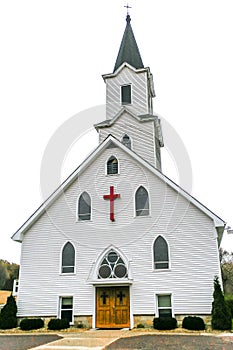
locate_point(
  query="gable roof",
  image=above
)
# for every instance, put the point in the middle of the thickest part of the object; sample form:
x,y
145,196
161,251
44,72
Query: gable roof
x,y
135,70
129,66
141,118
18,236
129,51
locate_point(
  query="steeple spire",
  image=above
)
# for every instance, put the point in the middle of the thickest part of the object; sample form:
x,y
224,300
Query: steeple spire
x,y
128,51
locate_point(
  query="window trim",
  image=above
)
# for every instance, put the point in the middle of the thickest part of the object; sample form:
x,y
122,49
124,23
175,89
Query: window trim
x,y
77,208
153,258
60,305
106,166
61,266
131,95
163,293
135,213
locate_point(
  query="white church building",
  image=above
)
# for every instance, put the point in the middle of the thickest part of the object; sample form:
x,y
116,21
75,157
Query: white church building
x,y
119,243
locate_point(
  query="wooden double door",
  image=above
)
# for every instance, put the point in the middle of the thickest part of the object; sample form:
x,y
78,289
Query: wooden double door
x,y
112,307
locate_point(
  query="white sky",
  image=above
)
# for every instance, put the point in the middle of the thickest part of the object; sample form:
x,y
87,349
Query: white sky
x,y
53,54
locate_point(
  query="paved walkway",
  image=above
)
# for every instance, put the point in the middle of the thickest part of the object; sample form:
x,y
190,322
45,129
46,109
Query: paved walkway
x,y
97,340
89,340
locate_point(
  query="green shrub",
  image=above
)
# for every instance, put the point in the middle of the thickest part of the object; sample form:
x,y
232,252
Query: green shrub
x,y
221,315
80,325
28,324
140,325
57,324
193,323
165,323
8,317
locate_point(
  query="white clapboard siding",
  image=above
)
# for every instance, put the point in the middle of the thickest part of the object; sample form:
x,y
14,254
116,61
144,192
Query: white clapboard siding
x,y
142,135
139,85
189,232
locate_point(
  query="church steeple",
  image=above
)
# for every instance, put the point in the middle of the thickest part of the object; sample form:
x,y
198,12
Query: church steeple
x,y
129,51
131,84
129,103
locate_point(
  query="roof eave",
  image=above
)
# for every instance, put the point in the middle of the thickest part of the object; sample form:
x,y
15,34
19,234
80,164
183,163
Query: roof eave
x,y
220,231
17,237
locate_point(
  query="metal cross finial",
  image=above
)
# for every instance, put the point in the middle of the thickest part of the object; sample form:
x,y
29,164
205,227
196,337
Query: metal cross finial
x,y
128,7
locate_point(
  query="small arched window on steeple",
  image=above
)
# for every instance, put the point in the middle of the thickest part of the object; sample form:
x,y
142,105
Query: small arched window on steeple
x,y
112,166
142,202
126,141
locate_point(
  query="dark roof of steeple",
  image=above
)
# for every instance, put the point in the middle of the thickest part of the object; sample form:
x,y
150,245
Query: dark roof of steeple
x,y
129,51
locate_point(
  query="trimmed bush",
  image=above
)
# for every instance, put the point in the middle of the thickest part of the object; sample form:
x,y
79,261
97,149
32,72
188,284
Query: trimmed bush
x,y
8,317
221,315
28,324
140,325
80,325
57,324
165,323
193,323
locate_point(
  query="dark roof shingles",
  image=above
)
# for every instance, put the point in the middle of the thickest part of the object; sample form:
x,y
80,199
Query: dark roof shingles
x,y
129,51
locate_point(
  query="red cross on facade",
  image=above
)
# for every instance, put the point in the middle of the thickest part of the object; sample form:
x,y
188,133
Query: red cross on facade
x,y
111,197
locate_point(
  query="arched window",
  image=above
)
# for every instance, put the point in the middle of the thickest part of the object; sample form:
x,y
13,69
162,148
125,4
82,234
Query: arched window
x,y
112,266
126,141
68,258
84,207
142,202
112,166
161,258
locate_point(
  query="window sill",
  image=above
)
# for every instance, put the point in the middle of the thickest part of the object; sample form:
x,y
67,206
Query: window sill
x,y
67,274
161,270
80,221
142,216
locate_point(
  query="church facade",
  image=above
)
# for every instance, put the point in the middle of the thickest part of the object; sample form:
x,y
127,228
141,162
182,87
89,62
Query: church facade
x,y
119,243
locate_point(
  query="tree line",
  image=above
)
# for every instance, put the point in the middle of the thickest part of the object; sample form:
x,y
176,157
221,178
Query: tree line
x,y
8,273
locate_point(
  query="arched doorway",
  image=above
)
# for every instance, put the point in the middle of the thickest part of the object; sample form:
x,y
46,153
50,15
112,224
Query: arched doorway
x,y
112,300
